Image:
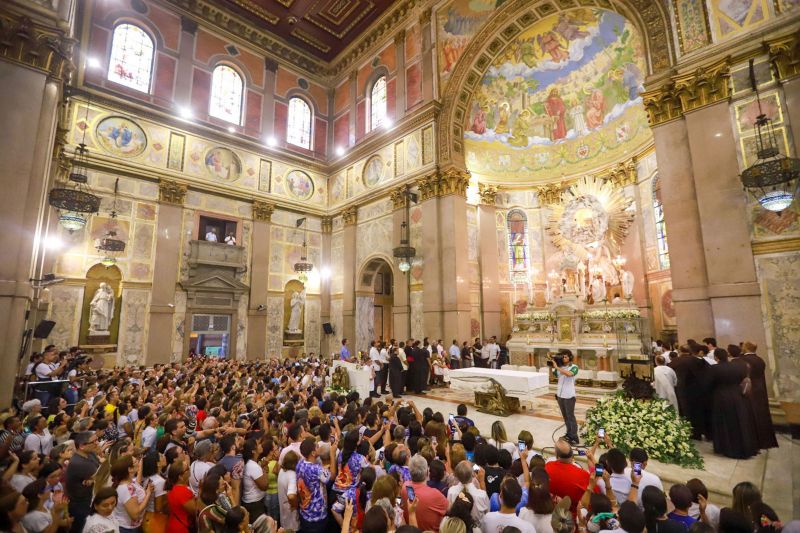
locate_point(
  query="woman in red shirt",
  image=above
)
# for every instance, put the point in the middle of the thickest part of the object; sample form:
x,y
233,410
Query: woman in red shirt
x,y
180,500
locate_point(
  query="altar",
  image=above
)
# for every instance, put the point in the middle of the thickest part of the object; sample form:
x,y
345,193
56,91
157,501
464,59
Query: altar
x,y
525,386
360,378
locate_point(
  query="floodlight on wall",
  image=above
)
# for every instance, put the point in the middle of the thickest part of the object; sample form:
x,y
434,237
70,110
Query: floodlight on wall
x,y
773,178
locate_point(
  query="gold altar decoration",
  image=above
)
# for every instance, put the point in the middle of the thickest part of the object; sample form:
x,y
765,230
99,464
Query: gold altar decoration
x,y
495,401
340,378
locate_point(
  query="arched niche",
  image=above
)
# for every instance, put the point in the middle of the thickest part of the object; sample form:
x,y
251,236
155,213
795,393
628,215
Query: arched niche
x,y
649,17
291,288
96,275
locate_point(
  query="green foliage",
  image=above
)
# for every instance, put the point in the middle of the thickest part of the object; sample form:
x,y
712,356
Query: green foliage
x,y
650,424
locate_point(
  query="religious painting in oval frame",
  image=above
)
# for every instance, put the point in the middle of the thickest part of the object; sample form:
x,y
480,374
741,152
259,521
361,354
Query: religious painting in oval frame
x,y
299,184
373,171
223,164
121,136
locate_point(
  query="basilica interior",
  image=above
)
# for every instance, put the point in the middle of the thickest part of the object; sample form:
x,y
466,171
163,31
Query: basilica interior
x,y
251,179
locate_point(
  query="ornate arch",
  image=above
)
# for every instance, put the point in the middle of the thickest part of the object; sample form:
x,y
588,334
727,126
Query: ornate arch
x,y
366,274
514,17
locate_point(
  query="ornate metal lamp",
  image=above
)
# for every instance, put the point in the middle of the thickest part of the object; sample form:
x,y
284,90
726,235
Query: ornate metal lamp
x,y
110,244
73,198
303,267
773,178
405,253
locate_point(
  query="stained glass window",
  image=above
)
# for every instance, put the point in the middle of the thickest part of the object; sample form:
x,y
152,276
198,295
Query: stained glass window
x,y
298,131
661,227
131,62
377,103
518,258
226,94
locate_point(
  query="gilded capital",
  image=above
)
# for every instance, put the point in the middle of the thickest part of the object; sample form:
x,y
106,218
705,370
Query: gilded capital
x,y
427,186
43,49
399,197
327,224
400,38
453,181
350,215
353,76
171,192
488,194
262,211
705,86
784,53
661,105
425,17
623,173
550,194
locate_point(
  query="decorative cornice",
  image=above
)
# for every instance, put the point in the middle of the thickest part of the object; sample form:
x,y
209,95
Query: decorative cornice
x,y
262,211
550,194
621,174
43,49
703,87
784,54
327,224
488,194
776,247
350,215
171,192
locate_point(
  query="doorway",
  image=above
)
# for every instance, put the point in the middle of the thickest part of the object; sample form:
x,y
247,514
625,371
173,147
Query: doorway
x,y
375,303
383,302
210,335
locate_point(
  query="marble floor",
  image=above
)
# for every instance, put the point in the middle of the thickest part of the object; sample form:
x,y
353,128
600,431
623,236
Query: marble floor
x,y
776,472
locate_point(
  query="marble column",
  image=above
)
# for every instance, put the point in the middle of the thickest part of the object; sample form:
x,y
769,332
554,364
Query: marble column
x,y
733,289
31,91
684,235
487,259
401,308
791,94
400,76
184,75
165,272
428,49
259,275
350,217
328,342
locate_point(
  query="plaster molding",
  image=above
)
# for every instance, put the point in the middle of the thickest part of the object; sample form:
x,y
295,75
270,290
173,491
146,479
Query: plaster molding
x,y
400,38
784,54
350,215
488,194
662,105
171,192
703,87
326,223
551,193
399,197
427,186
621,174
776,247
262,211
452,181
44,49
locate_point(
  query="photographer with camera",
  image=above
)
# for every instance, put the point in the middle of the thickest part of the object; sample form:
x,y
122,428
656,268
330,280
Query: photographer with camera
x,y
566,371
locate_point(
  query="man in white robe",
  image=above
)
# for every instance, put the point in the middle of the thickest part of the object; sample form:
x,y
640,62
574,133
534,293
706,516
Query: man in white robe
x,y
665,380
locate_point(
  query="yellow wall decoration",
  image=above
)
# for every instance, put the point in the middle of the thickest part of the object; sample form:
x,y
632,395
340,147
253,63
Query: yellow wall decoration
x,y
730,17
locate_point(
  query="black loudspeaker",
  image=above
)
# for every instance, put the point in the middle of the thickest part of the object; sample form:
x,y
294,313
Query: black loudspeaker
x,y
43,330
327,328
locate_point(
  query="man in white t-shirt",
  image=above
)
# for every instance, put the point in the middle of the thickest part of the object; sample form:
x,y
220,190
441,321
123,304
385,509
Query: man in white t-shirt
x,y
375,364
203,452
510,496
638,455
494,352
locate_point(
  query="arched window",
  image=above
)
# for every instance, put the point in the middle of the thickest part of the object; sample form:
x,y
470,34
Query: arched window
x,y
377,103
226,94
518,262
661,227
131,62
298,131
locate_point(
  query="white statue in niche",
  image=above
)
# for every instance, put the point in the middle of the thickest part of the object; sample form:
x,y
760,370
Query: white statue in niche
x,y
627,284
101,310
598,290
297,302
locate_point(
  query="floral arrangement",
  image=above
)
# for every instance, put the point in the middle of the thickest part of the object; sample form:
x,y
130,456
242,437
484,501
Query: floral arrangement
x,y
650,424
541,315
612,314
523,316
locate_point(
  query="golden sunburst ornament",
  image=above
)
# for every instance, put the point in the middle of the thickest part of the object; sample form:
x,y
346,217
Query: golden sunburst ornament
x,y
591,212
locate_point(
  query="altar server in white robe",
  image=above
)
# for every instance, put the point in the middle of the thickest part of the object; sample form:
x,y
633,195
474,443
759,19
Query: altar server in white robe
x,y
665,380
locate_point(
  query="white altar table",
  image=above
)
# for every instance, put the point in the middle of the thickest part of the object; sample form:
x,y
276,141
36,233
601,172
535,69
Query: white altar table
x,y
520,384
359,379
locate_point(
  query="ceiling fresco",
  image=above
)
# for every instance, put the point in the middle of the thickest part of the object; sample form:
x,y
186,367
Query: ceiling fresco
x,y
562,100
322,28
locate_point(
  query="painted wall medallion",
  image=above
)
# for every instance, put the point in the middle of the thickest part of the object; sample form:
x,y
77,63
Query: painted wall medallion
x,y
373,171
299,185
121,136
222,163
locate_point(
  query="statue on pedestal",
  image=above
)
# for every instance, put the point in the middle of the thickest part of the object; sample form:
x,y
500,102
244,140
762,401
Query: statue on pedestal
x,y
598,290
627,284
297,303
101,311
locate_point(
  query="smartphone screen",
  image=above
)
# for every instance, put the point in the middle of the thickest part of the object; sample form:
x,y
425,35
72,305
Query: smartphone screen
x,y
476,468
637,468
410,493
452,419
598,471
601,433
581,451
521,445
433,441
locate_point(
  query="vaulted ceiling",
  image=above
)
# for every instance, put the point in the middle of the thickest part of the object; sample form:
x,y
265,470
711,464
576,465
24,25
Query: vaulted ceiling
x,y
322,28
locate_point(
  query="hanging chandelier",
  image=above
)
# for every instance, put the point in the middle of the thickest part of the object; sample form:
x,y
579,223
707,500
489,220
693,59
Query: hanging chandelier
x,y
73,198
303,267
109,244
773,178
405,253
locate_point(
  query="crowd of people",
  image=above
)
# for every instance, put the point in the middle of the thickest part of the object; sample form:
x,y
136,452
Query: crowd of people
x,y
723,393
228,446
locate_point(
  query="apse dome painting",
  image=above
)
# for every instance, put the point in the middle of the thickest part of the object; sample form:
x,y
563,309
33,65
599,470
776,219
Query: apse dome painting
x,y
563,98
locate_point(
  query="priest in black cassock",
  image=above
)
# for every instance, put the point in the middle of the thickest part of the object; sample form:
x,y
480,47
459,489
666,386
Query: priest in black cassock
x,y
759,397
732,419
691,390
